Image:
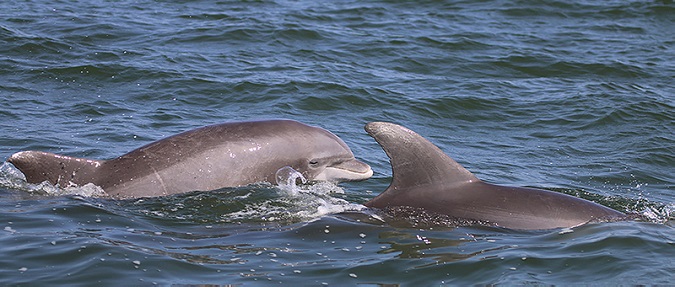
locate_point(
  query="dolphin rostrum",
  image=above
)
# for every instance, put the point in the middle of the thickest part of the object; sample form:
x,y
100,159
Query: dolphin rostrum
x,y
207,158
425,177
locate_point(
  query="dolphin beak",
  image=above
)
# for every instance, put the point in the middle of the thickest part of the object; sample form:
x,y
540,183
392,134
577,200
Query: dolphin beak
x,y
349,170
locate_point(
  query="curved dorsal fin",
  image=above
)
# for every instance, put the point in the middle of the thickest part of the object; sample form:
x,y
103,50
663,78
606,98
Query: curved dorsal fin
x,y
414,160
60,170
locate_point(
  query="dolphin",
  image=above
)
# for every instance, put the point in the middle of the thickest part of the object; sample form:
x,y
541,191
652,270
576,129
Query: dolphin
x,y
425,177
208,158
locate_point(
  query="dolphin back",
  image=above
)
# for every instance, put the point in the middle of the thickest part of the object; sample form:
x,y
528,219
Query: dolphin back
x,y
56,169
425,177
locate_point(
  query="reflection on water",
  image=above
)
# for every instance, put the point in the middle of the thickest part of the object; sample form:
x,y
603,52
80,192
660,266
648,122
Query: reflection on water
x,y
440,250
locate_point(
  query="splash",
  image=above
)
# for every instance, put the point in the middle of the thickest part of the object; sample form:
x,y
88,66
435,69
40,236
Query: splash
x,y
297,200
317,198
659,214
288,179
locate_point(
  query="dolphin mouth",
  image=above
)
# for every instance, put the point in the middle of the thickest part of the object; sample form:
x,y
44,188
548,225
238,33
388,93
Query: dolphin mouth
x,y
349,170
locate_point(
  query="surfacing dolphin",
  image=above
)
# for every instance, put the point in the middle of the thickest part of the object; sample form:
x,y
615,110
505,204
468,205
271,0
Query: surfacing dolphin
x,y
207,158
425,177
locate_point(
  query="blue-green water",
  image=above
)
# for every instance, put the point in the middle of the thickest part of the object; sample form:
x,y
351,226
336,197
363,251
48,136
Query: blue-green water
x,y
571,96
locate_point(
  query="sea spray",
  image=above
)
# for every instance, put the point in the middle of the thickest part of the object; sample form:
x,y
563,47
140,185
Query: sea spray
x,y
311,201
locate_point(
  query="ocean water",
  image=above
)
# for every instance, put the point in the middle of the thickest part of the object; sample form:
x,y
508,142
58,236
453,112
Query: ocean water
x,y
571,96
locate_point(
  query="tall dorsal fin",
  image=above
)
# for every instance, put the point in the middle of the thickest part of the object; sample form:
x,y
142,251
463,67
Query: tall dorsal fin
x,y
57,169
414,160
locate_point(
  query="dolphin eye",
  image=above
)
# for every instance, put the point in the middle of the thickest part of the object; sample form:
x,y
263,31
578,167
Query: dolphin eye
x,y
313,162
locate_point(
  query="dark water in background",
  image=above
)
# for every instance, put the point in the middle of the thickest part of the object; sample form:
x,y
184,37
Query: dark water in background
x,y
576,97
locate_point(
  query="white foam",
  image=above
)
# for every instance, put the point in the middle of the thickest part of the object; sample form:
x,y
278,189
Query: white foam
x,y
658,215
297,200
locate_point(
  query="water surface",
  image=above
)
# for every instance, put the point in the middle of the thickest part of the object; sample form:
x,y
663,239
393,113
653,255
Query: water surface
x,y
575,97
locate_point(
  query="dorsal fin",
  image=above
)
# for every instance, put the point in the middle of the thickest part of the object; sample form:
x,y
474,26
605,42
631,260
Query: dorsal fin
x,y
57,169
414,160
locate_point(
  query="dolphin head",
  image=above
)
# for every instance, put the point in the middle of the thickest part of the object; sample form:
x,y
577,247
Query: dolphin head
x,y
328,158
338,169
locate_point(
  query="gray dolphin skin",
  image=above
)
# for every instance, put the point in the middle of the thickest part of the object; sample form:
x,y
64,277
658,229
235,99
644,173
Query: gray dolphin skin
x,y
425,177
207,158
